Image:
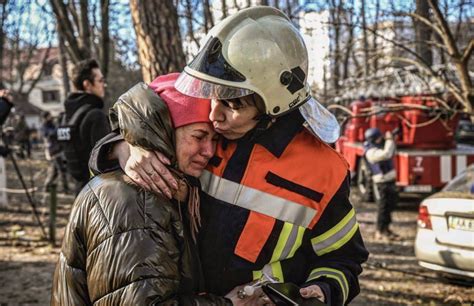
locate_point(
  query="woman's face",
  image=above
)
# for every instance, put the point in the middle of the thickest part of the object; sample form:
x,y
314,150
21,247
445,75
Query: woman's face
x,y
195,145
233,121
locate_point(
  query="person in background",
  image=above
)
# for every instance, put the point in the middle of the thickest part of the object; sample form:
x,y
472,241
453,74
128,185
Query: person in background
x,y
53,153
379,152
5,108
84,114
6,103
22,136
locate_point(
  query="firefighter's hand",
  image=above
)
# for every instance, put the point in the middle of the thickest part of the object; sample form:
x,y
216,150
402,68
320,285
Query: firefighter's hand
x,y
239,298
313,291
146,168
388,135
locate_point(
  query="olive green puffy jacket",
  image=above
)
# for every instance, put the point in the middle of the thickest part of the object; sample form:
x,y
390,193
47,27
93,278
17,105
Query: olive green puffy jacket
x,y
124,245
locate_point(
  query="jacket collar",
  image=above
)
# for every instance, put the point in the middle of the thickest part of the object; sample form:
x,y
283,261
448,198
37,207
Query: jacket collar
x,y
278,136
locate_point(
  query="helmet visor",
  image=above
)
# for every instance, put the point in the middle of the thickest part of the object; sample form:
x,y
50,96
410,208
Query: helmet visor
x,y
198,88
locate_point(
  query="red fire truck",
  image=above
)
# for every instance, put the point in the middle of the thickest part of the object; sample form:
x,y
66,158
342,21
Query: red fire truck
x,y
427,154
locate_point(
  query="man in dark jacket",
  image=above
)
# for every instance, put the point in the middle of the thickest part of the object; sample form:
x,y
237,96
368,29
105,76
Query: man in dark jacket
x,y
92,124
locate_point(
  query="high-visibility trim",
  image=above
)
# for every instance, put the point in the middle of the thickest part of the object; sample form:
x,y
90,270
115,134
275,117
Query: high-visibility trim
x,y
256,200
291,237
334,274
273,270
337,236
257,275
299,241
254,236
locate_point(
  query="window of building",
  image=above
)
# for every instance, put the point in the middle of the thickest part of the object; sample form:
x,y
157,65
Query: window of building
x,y
50,96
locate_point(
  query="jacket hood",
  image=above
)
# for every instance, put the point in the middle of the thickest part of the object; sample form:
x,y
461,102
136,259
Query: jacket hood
x,y
144,120
77,99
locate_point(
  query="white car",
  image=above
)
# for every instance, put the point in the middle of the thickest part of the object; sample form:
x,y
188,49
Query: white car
x,y
445,237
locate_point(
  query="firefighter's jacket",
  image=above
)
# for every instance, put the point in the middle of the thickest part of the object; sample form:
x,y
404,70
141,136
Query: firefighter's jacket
x,y
276,204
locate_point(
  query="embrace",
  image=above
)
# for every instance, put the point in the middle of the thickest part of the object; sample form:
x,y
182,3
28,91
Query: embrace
x,y
215,179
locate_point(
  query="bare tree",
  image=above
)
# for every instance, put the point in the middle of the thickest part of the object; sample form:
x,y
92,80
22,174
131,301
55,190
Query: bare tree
x,y
77,30
349,44
365,41
104,58
189,8
3,17
158,37
423,32
461,88
23,61
336,21
208,17
375,60
63,63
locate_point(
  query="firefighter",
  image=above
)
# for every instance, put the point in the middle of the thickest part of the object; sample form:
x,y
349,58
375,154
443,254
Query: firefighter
x,y
379,152
275,197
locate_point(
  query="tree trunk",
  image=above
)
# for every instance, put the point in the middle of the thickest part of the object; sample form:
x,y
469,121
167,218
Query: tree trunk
x,y
208,18
158,39
188,8
73,41
3,17
365,45
423,32
63,63
349,42
375,61
336,23
104,22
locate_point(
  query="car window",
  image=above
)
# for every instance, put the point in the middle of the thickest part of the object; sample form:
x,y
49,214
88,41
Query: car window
x,y
464,182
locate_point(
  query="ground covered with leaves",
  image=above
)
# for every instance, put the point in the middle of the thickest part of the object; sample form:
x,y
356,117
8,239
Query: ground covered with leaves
x,y
391,276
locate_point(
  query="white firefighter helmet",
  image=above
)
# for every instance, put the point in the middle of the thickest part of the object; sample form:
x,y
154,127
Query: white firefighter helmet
x,y
257,50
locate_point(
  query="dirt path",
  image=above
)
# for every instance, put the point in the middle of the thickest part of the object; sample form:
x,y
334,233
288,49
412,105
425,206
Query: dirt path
x,y
27,263
392,276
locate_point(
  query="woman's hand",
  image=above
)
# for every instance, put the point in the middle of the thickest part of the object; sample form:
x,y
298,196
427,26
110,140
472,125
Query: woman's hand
x,y
313,291
146,168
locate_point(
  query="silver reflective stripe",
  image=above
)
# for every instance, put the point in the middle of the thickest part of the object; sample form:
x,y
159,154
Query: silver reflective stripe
x,y
256,200
334,274
290,242
337,236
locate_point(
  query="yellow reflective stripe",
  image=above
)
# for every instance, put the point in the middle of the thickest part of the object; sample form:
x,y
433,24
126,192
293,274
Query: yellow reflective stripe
x,y
299,241
335,229
337,236
273,270
256,200
257,275
277,271
282,240
291,238
334,274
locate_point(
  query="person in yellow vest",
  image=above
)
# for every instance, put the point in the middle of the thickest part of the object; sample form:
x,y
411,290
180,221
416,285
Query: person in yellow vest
x,y
275,197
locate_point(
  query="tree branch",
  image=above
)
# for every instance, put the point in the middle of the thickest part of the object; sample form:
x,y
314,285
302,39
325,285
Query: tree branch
x,y
467,52
446,35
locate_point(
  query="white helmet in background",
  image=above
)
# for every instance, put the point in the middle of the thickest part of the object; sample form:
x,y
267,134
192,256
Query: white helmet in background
x,y
257,50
